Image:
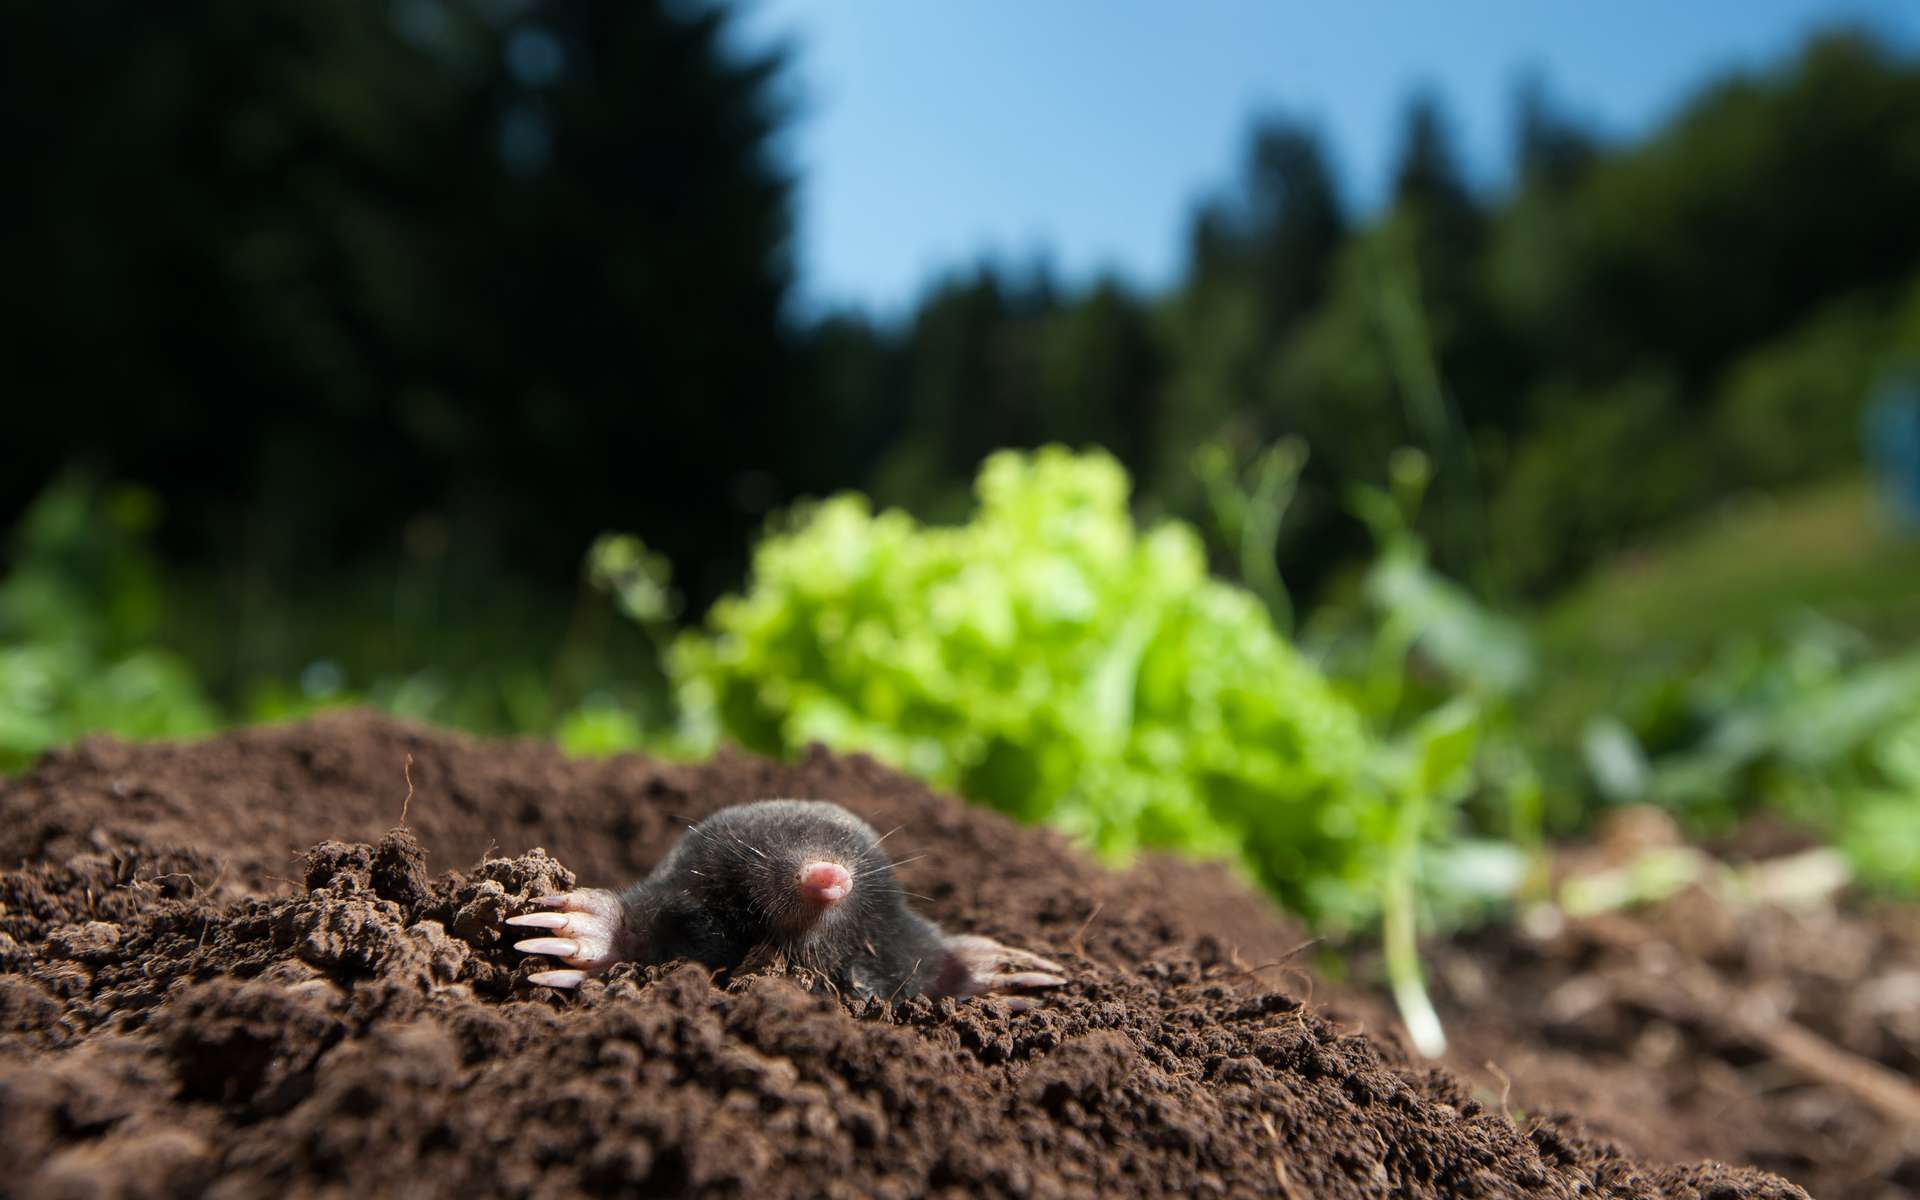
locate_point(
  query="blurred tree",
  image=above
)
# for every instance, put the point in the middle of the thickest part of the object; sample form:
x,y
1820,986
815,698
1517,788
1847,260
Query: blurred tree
x,y
846,415
1452,367
466,281
1441,229
1764,200
1428,176
1551,150
1795,407
1262,261
1101,373
312,269
1763,197
1290,219
972,374
1601,468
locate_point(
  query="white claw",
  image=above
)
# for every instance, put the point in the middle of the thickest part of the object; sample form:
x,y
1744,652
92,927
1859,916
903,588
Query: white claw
x,y
595,901
557,947
1023,979
558,979
594,929
977,965
540,920
1026,958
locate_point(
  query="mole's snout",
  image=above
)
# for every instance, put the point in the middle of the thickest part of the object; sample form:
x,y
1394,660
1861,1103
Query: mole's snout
x,y
824,883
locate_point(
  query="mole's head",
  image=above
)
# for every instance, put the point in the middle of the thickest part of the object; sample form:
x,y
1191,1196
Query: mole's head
x,y
804,874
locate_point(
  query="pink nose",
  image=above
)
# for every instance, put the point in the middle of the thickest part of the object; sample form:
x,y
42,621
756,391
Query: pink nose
x,y
825,883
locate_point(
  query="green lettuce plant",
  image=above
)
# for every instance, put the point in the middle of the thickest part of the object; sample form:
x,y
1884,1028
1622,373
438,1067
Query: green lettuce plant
x,y
1050,659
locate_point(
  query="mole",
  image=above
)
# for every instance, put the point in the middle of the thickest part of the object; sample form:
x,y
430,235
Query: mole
x,y
803,879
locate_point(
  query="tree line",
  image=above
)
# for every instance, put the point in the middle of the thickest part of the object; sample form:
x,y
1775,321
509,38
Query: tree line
x,y
376,281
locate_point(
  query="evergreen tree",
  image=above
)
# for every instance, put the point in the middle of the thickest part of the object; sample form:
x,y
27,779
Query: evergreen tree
x,y
312,269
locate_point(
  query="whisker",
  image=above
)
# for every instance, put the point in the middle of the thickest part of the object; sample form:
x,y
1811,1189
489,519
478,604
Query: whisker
x,y
903,862
910,974
889,833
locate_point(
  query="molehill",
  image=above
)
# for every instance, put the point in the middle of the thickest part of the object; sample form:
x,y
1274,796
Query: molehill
x,y
224,971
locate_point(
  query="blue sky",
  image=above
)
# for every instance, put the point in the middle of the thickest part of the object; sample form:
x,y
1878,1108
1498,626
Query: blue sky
x,y
933,132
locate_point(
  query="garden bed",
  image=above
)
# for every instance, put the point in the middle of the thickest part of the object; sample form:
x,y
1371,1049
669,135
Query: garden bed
x,y
226,972
1781,1035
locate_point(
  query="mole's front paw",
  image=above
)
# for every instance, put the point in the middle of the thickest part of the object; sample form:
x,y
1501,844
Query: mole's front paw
x,y
588,933
975,965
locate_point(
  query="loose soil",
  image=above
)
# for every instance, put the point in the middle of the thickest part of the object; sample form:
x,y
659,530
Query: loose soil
x,y
1785,1038
223,972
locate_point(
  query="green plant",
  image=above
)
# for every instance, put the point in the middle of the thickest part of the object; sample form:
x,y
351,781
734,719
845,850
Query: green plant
x,y
1053,661
1812,726
1249,513
77,611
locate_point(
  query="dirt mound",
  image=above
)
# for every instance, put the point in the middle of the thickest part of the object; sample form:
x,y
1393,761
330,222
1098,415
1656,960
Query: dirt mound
x,y
218,976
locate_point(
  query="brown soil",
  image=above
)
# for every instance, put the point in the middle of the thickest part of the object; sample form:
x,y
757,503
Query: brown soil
x,y
1786,1039
202,991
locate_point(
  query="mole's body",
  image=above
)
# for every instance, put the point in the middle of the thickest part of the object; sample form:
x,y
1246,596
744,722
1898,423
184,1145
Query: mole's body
x,y
799,878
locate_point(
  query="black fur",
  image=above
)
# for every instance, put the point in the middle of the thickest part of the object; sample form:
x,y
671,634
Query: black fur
x,y
727,893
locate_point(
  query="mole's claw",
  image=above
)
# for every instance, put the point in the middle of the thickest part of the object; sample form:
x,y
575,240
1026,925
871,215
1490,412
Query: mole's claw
x,y
590,934
976,964
540,920
558,979
1026,958
557,947
1024,979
